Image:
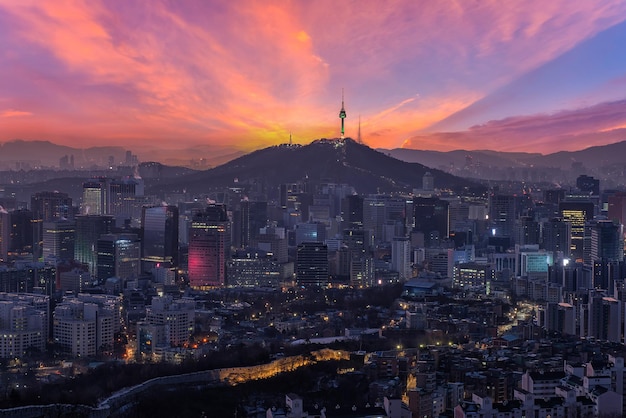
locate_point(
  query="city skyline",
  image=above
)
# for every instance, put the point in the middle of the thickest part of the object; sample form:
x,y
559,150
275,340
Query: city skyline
x,y
531,76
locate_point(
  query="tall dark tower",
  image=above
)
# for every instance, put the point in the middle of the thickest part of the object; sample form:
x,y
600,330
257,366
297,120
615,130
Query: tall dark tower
x,y
342,116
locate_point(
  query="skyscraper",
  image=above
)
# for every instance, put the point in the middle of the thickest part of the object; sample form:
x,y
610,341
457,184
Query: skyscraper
x,y
21,233
88,230
59,239
159,226
5,222
123,199
49,206
352,211
432,217
576,213
557,236
209,247
607,240
96,197
502,214
248,220
312,264
118,255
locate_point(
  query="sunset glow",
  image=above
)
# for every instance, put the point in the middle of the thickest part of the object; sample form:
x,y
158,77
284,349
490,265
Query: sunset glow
x,y
521,76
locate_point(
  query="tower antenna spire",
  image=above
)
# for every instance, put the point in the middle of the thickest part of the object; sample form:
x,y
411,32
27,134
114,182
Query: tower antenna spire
x,y
290,142
342,116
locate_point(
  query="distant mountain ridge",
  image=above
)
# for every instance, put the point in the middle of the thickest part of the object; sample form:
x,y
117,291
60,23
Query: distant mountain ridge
x,y
48,154
593,157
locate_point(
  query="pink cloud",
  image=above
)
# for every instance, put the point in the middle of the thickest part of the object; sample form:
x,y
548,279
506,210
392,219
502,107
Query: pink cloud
x,y
248,73
545,133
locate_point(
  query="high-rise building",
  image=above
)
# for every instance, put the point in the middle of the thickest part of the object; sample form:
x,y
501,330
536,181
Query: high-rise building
x,y
89,228
118,255
432,217
21,233
588,184
576,213
209,247
125,199
604,321
502,214
5,231
527,231
83,328
617,207
175,317
273,240
23,323
557,236
560,317
312,264
385,216
352,211
607,241
48,206
59,238
401,257
96,197
256,269
159,227
248,220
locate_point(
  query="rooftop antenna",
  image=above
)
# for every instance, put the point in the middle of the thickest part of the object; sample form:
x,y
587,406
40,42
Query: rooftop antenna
x,y
290,142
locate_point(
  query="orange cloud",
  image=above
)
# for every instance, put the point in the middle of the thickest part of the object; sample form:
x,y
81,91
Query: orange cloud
x,y
245,74
14,113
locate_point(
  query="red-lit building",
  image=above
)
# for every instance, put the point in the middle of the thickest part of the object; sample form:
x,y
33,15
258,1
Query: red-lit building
x,y
209,247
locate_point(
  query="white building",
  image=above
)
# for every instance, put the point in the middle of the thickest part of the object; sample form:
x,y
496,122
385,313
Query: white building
x,y
85,326
176,317
23,323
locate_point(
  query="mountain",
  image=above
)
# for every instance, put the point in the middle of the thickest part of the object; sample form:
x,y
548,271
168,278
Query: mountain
x,y
368,170
48,154
593,158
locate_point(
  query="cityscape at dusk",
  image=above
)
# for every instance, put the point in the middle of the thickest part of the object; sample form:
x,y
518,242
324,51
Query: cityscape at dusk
x,y
313,209
239,76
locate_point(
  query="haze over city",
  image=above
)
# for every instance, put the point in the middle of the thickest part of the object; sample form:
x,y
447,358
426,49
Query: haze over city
x,y
526,76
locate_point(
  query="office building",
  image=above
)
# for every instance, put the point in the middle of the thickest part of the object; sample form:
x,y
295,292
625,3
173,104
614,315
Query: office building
x,y
96,197
432,218
248,220
83,328
606,241
576,213
401,257
89,228
118,255
159,230
312,264
556,236
209,247
58,239
173,320
23,323
502,215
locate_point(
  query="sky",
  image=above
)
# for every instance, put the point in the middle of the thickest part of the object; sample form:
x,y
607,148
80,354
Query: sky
x,y
531,75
